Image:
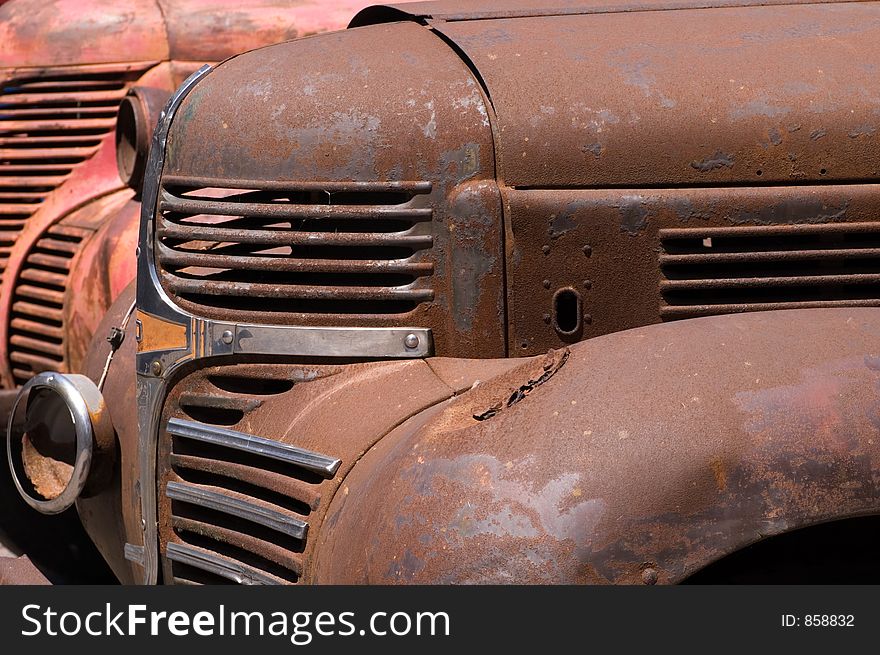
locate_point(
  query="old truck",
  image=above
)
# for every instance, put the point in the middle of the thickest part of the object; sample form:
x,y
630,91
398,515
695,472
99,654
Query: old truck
x,y
495,292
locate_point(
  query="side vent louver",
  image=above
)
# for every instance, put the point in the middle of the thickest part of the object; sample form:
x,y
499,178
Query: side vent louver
x,y
708,271
240,505
51,121
36,331
289,248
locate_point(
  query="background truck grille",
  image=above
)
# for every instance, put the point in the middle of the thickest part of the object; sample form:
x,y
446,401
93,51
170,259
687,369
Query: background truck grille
x,y
51,121
36,331
239,504
295,249
708,271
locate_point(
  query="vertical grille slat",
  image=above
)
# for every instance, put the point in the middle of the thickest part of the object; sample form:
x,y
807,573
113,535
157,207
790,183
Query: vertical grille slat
x,y
315,250
709,271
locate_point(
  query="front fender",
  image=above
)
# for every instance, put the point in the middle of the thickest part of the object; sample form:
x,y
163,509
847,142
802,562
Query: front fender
x,y
644,457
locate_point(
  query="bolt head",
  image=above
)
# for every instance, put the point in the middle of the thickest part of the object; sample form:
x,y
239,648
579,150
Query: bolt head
x,y
411,341
226,337
649,576
156,368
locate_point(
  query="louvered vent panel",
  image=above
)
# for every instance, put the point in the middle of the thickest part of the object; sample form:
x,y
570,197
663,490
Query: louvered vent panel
x,y
240,504
36,331
51,121
296,248
708,271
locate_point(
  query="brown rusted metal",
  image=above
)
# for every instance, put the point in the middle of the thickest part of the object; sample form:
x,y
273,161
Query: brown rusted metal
x,y
263,395
642,256
665,447
463,10
110,515
304,188
621,110
313,216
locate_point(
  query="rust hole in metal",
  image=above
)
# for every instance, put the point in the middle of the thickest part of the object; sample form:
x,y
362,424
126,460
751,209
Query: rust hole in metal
x,y
567,313
552,363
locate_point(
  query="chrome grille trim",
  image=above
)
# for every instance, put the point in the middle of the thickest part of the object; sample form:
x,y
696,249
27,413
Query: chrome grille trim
x,y
308,460
273,519
212,563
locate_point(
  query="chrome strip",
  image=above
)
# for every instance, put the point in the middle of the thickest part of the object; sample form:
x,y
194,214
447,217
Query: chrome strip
x,y
270,518
134,553
235,571
150,392
307,459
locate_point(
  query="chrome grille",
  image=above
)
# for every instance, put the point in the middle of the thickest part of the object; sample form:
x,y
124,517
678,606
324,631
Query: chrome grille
x,y
239,505
721,270
51,121
36,331
287,248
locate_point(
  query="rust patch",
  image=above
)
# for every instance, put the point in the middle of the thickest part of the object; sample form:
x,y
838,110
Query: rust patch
x,y
554,361
720,473
718,160
49,475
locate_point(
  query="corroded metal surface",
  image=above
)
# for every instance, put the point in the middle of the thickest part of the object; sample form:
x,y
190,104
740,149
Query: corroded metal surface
x,y
308,212
319,408
104,268
20,571
642,256
67,32
307,190
58,280
462,10
761,99
111,517
659,448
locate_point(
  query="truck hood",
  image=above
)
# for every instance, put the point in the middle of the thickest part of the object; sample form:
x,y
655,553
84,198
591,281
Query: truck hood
x,y
595,94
